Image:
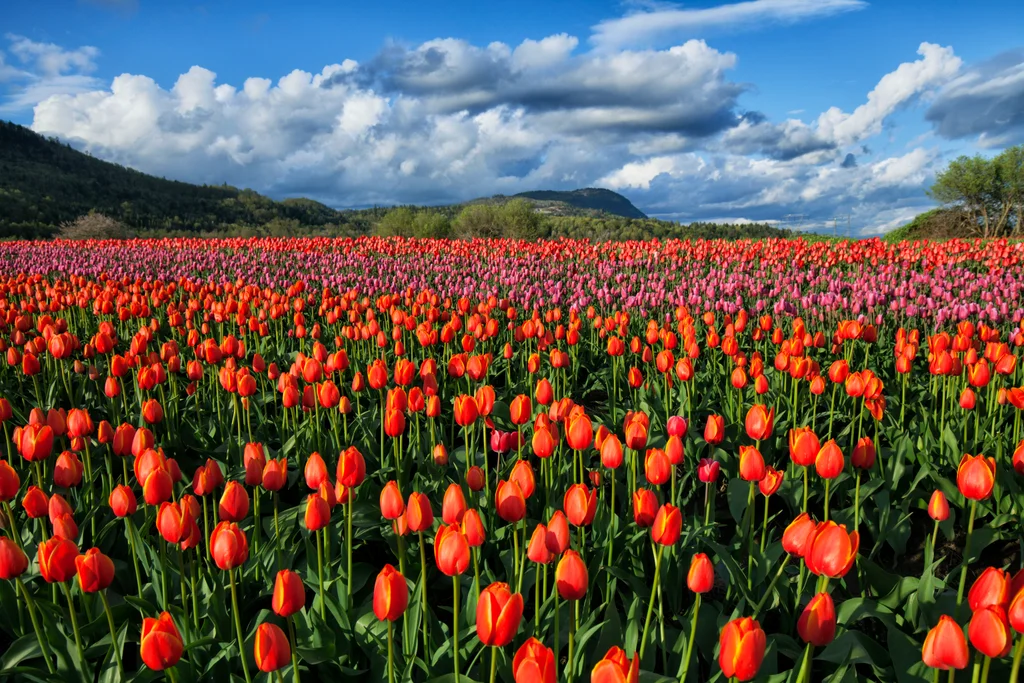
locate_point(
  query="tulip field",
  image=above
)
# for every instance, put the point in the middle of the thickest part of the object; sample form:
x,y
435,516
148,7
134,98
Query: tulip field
x,y
473,461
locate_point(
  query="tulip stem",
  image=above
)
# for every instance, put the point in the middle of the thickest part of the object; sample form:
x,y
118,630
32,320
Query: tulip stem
x,y
685,668
135,553
13,531
391,653
572,636
805,489
967,554
764,525
976,671
182,581
348,543
455,624
43,647
74,625
113,635
295,658
558,648
827,491
749,531
650,606
856,503
276,529
320,570
536,600
163,572
1017,653
771,586
171,675
984,669
494,663
238,625
707,503
423,592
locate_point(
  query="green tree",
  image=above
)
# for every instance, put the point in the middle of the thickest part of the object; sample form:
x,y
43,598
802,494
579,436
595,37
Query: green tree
x,y
518,220
478,220
989,191
432,224
398,222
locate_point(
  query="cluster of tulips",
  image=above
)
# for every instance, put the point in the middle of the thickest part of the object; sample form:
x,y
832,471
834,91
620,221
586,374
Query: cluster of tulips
x,y
415,483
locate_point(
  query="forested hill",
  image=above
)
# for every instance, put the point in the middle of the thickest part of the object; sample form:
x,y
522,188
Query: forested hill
x,y
46,184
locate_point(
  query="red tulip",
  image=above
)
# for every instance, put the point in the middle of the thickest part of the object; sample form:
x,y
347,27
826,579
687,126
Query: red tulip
x,y
580,505
668,524
161,645
976,476
989,632
390,594
833,550
229,546
752,466
270,648
289,593
534,663
13,561
701,576
509,501
817,623
616,667
56,559
944,646
451,550
95,571
498,614
741,648
571,576
760,422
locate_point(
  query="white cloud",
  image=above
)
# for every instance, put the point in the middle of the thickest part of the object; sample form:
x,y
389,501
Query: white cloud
x,y
46,69
937,65
671,22
448,120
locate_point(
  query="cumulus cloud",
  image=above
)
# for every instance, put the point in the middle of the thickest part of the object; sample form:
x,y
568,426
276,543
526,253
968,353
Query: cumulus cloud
x,y
937,65
448,120
986,102
673,22
43,70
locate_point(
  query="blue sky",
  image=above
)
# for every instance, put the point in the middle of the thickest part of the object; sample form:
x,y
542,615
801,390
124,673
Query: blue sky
x,y
750,110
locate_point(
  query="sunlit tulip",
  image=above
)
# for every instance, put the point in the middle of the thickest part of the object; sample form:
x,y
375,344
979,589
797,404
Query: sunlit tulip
x,y
498,613
270,648
161,645
229,546
616,667
390,594
571,576
534,663
989,631
817,623
701,576
975,476
833,551
451,550
741,647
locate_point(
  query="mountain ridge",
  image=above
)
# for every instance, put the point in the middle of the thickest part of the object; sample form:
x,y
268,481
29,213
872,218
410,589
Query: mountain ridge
x,y
46,183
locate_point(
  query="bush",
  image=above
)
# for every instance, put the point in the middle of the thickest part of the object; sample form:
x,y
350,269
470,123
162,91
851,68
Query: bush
x,y
93,226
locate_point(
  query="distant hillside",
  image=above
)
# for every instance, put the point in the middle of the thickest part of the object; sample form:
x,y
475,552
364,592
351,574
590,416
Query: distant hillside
x,y
589,201
44,183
